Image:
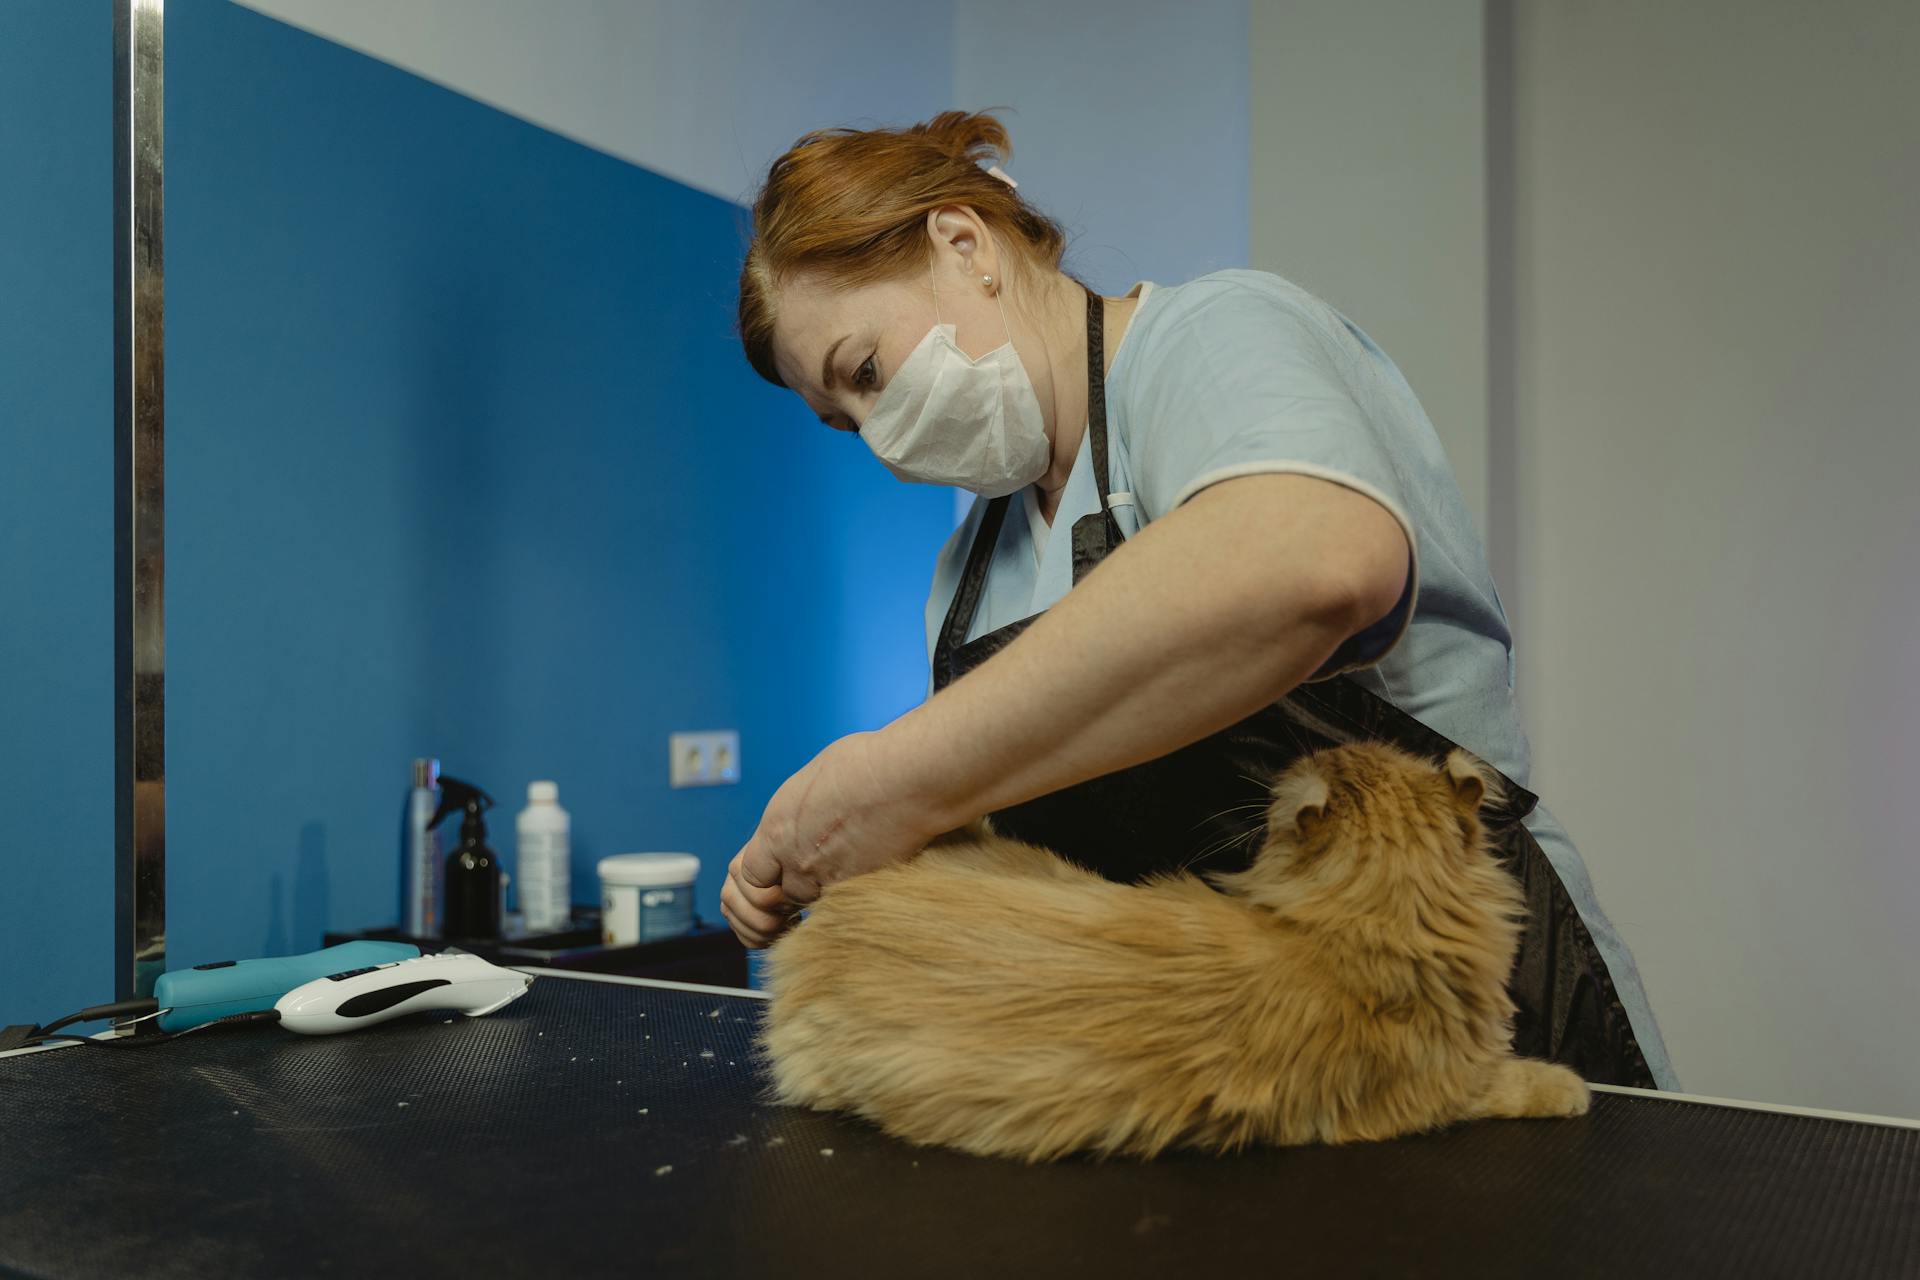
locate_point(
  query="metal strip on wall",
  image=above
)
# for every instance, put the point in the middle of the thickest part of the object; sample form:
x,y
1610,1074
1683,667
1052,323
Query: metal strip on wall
x,y
139,491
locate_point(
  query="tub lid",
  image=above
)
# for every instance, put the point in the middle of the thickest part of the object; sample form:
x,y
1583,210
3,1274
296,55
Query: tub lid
x,y
648,869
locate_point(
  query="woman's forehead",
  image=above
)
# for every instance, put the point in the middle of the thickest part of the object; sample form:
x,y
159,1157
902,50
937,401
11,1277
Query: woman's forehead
x,y
810,317
805,318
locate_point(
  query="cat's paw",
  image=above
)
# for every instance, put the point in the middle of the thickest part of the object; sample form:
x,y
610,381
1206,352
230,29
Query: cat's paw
x,y
1554,1090
1525,1088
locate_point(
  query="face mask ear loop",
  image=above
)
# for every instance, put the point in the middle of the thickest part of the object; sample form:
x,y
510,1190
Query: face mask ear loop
x,y
1005,323
933,282
999,296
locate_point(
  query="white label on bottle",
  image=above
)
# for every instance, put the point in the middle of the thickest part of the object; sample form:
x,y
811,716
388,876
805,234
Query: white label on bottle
x,y
544,890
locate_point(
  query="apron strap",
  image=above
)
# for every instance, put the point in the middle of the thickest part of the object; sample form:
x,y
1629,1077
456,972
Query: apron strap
x,y
1097,394
1096,534
973,579
966,597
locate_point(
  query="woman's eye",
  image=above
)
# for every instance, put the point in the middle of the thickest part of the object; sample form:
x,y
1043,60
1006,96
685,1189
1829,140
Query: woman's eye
x,y
866,375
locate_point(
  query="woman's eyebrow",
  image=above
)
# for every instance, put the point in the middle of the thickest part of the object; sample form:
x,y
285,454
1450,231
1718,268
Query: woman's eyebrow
x,y
826,363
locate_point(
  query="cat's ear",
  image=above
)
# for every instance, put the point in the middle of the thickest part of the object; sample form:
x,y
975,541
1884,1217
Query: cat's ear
x,y
1474,783
1300,798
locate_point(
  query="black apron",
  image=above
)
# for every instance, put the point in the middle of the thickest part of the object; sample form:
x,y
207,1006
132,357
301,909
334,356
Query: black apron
x,y
1203,807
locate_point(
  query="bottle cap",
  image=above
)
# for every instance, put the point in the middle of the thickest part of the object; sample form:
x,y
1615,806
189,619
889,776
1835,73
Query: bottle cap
x,y
543,792
426,772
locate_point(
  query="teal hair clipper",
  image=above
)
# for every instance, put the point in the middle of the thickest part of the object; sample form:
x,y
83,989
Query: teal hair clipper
x,y
207,992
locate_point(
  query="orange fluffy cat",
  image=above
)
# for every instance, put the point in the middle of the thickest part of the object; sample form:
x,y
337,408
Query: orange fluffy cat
x,y
1349,985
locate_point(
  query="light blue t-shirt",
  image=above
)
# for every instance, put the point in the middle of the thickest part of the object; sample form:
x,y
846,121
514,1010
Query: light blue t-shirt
x,y
1242,373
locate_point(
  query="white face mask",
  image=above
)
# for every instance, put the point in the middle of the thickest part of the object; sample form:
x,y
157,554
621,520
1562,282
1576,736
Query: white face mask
x,y
947,419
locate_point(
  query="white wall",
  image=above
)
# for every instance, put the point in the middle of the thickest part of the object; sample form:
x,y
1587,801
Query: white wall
x,y
1129,123
1702,507
1717,266
1368,187
705,93
1128,119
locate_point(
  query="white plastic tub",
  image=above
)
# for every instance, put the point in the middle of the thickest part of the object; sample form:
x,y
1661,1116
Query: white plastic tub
x,y
646,896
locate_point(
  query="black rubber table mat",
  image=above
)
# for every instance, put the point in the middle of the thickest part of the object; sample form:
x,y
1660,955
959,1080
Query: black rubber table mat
x,y
600,1129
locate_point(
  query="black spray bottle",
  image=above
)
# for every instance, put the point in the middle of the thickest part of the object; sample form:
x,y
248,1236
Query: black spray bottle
x,y
473,869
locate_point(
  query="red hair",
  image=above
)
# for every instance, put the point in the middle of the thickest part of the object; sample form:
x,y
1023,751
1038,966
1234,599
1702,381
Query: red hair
x,y
852,205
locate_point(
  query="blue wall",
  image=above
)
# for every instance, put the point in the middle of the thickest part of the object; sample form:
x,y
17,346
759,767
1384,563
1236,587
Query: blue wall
x,y
56,513
463,460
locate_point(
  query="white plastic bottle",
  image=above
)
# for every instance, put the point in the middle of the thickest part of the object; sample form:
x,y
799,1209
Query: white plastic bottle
x,y
544,860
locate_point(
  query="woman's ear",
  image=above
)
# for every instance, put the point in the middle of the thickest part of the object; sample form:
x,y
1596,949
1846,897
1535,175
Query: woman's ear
x,y
956,229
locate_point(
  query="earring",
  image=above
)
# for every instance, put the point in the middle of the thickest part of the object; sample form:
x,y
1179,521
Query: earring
x,y
987,281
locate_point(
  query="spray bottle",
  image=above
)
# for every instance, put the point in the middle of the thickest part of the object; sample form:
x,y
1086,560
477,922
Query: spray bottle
x,y
420,861
473,869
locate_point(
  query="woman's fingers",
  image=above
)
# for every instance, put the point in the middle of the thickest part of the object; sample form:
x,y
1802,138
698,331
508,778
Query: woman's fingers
x,y
756,866
756,914
751,939
751,936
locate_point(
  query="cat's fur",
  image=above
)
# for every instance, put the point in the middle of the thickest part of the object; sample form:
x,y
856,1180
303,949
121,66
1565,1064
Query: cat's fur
x,y
1349,985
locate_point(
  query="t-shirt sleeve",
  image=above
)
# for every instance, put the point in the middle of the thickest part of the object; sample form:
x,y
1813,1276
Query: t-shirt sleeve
x,y
1241,381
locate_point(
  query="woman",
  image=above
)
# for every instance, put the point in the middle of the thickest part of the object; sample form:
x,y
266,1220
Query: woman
x,y
1218,531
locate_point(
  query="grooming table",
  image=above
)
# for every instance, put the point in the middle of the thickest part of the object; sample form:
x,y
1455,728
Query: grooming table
x,y
603,1126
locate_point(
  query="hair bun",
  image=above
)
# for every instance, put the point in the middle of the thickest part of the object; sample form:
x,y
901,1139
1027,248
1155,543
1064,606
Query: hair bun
x,y
968,135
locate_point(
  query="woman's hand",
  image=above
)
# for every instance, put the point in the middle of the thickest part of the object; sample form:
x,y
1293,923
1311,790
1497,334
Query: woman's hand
x,y
845,813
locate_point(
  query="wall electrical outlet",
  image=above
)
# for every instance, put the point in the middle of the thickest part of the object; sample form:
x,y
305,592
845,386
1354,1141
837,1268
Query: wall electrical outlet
x,y
708,759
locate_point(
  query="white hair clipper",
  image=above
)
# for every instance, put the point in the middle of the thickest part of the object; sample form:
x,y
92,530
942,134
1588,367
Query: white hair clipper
x,y
452,980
